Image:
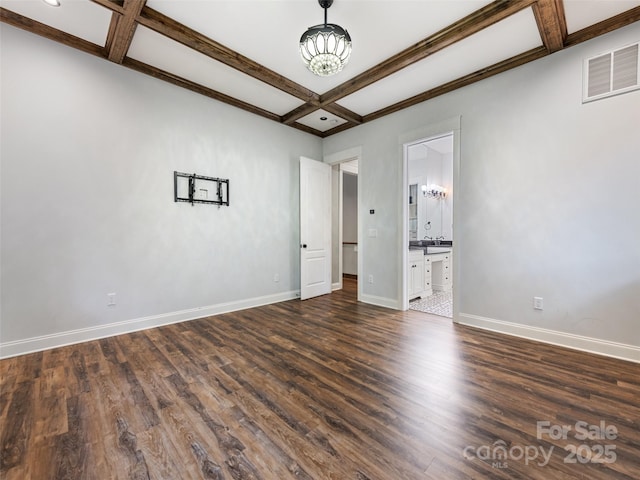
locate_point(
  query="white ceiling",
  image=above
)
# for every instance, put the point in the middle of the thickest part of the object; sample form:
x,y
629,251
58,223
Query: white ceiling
x,y
268,31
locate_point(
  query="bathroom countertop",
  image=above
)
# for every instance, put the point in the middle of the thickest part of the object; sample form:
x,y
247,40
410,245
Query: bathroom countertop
x,y
445,249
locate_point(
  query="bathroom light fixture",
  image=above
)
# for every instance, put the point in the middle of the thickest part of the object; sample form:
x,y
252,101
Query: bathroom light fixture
x,y
325,49
433,190
52,3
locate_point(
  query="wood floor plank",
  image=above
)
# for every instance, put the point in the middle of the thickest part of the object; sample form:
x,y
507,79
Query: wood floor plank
x,y
7,386
71,457
189,441
17,427
30,368
50,409
328,388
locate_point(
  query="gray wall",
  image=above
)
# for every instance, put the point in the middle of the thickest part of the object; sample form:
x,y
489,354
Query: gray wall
x,y
548,199
350,208
88,153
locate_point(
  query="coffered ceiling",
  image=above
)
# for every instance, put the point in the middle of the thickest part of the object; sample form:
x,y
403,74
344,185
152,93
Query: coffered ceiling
x,y
245,52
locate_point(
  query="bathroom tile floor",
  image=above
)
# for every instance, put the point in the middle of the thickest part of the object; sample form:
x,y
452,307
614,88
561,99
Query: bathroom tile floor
x,y
440,303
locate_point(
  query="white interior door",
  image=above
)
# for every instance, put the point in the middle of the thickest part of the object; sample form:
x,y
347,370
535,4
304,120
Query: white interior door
x,y
315,228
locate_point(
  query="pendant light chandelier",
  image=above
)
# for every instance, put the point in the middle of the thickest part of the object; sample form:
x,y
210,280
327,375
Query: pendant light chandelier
x,y
325,49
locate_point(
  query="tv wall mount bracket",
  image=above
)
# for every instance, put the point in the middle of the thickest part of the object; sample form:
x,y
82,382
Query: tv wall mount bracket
x,y
194,189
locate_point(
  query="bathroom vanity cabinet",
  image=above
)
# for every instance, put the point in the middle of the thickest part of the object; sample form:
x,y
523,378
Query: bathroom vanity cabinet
x,y
416,274
440,271
428,273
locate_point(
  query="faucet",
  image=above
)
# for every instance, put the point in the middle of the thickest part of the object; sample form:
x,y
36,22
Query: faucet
x,y
437,239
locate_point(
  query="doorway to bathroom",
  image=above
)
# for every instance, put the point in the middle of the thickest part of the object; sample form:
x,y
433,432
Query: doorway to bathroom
x,y
430,175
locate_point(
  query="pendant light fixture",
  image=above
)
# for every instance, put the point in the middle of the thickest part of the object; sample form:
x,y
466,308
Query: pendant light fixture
x,y
325,49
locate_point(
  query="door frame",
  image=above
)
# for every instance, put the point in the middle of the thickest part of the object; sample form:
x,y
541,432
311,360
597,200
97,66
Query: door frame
x,y
424,134
335,159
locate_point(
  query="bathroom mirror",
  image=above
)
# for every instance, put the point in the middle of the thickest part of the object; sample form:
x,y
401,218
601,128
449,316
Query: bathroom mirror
x,y
430,189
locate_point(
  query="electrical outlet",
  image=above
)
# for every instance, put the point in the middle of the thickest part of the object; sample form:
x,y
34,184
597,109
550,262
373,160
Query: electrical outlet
x,y
276,277
538,303
111,299
370,278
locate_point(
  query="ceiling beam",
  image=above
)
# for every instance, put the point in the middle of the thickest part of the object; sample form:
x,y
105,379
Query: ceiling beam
x,y
168,27
609,25
343,112
552,25
474,77
340,128
601,28
32,26
117,7
471,24
111,33
297,113
197,88
305,109
306,128
122,29
588,33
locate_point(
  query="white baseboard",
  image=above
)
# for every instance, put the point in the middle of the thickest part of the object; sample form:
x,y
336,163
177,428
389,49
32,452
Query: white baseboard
x,y
569,340
46,342
336,286
381,301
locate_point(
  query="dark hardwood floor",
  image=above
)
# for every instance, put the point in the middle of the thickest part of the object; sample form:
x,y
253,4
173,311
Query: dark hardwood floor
x,y
321,389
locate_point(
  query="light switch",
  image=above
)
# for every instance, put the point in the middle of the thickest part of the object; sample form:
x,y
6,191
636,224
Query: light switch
x,y
373,232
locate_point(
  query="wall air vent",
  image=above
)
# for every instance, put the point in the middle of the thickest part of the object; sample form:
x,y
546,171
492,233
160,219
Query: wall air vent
x,y
611,73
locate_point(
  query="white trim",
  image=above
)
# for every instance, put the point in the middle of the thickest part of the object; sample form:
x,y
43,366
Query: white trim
x,y
353,153
381,301
341,157
350,167
423,134
340,225
61,339
336,286
360,233
622,351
